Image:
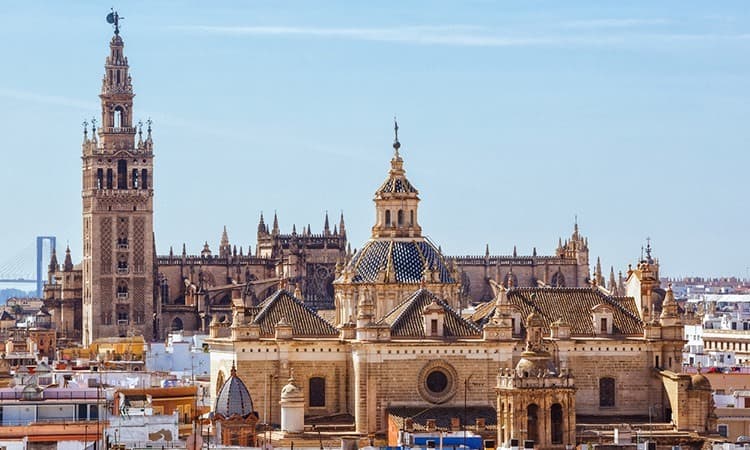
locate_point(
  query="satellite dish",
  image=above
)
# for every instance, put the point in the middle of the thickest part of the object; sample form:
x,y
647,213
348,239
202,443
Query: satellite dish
x,y
111,17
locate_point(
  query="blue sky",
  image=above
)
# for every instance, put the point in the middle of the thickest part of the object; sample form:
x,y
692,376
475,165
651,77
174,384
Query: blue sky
x,y
515,117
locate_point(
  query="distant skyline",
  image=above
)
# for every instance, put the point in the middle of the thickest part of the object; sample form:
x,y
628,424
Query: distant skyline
x,y
515,117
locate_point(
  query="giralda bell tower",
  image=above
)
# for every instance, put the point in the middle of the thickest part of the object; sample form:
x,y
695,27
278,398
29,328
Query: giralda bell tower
x,y
118,238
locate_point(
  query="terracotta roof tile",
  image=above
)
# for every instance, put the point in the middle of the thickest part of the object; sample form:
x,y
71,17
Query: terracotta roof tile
x,y
304,321
573,305
407,319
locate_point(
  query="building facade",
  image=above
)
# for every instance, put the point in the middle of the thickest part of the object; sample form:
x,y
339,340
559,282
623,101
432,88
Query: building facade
x,y
554,357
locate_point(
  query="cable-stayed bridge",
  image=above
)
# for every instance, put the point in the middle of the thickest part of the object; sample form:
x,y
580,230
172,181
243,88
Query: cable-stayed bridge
x,y
29,264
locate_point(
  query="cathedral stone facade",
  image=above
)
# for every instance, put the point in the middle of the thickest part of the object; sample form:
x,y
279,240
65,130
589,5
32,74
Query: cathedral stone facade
x,y
541,358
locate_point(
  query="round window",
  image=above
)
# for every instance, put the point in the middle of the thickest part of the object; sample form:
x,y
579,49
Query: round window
x,y
437,382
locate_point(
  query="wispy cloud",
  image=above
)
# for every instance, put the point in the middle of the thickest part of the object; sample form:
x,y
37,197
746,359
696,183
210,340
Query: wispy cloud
x,y
616,23
459,35
45,99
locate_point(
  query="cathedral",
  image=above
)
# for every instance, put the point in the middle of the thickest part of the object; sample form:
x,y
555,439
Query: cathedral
x,y
532,362
532,345
122,287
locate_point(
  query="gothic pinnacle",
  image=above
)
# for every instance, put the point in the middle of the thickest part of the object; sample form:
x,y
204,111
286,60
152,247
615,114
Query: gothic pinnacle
x,y
342,229
261,224
326,226
68,264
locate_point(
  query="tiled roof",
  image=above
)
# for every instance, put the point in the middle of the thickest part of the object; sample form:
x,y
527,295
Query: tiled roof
x,y
574,306
407,319
304,321
396,184
403,261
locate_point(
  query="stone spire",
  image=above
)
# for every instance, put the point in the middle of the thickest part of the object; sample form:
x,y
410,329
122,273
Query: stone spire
x,y
275,229
598,272
342,228
68,264
326,226
613,288
53,265
261,225
225,250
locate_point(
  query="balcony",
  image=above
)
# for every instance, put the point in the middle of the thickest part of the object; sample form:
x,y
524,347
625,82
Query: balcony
x,y
122,246
123,323
123,270
122,295
118,130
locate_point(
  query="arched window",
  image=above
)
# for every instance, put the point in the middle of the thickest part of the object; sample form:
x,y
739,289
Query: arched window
x,y
606,392
532,422
122,174
556,414
144,179
400,217
117,116
164,289
135,179
558,279
411,218
317,391
387,218
177,324
109,179
99,178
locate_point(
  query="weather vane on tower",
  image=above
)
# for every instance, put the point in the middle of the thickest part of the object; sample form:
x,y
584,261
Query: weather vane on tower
x,y
396,143
114,19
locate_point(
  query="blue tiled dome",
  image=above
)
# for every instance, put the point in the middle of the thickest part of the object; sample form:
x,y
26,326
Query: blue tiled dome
x,y
234,398
403,261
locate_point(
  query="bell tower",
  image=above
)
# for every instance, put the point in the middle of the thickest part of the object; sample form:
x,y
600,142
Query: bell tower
x,y
118,238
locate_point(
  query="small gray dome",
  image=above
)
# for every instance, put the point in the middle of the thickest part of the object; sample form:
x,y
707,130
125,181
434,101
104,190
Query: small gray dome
x,y
234,398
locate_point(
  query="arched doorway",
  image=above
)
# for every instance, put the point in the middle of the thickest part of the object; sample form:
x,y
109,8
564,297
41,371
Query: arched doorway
x,y
532,422
177,324
556,414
